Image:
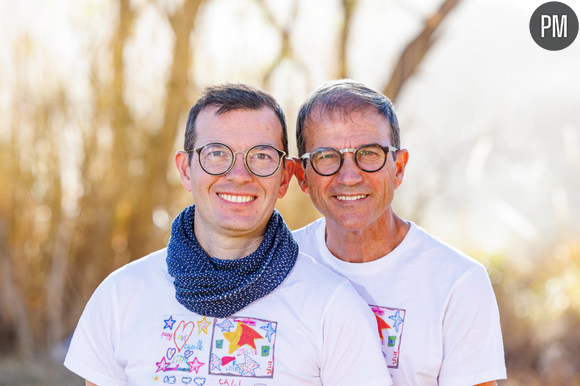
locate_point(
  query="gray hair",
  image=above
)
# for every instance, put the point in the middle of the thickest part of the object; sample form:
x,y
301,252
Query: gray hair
x,y
344,96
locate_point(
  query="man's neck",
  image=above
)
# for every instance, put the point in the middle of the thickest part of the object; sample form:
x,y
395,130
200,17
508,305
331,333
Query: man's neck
x,y
368,244
227,245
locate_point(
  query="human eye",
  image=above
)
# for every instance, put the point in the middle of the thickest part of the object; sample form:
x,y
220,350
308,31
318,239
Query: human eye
x,y
370,152
216,153
325,155
262,156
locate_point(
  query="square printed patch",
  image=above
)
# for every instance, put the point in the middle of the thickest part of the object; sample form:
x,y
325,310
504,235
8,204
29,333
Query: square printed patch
x,y
390,322
243,347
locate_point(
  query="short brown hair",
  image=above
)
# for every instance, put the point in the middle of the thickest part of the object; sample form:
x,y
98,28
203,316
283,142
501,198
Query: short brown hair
x,y
232,96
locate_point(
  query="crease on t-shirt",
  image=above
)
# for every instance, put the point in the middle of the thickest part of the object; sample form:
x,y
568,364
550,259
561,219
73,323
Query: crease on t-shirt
x,y
457,284
116,318
326,310
462,279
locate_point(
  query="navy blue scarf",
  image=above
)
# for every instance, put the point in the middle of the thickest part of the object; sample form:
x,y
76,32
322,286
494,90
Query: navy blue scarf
x,y
213,287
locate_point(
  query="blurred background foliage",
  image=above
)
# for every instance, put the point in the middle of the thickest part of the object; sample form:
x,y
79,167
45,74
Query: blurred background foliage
x,y
94,95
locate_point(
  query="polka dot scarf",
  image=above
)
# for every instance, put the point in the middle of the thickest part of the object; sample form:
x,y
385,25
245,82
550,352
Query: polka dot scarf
x,y
212,287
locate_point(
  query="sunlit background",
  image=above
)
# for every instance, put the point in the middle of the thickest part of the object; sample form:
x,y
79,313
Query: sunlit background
x,y
94,95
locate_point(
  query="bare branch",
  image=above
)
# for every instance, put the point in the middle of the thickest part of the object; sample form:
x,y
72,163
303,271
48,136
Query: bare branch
x,y
349,7
416,50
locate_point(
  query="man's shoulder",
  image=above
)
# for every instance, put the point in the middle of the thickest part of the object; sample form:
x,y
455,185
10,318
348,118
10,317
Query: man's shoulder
x,y
307,269
309,236
309,230
437,251
143,268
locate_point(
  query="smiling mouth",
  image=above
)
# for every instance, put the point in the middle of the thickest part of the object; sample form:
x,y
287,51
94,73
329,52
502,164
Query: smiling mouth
x,y
237,199
352,198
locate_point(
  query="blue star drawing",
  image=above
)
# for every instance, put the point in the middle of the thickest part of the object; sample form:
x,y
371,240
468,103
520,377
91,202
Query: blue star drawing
x,y
248,366
169,323
269,331
397,319
216,362
225,325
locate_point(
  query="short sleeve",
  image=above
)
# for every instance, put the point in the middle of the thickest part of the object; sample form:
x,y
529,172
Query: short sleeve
x,y
351,349
92,351
472,342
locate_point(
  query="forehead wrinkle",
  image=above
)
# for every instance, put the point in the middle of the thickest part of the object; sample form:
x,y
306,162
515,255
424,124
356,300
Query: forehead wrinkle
x,y
342,112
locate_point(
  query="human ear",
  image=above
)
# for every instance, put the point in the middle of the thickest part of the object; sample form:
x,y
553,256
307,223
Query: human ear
x,y
300,174
182,164
288,172
400,164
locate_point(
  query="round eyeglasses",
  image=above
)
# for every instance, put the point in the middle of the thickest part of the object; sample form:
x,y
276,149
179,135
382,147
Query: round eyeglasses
x,y
327,161
217,158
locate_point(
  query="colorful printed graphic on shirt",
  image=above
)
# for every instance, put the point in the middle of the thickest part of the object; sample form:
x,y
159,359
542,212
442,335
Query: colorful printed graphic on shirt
x,y
390,323
193,347
185,345
243,347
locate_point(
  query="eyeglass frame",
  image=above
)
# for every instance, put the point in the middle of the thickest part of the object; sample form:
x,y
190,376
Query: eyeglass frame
x,y
198,150
386,150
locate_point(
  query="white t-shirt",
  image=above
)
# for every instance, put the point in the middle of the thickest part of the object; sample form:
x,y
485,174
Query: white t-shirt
x,y
435,308
312,330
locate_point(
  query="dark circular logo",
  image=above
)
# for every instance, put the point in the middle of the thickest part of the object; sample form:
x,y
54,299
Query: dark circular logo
x,y
554,26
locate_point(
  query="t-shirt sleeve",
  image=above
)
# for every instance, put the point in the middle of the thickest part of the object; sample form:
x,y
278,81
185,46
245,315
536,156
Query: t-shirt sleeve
x,y
351,349
472,342
92,351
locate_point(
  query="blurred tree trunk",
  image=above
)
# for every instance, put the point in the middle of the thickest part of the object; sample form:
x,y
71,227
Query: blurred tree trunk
x,y
56,282
415,51
349,8
11,298
155,190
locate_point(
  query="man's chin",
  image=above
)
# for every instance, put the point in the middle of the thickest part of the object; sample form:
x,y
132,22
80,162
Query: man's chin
x,y
241,225
350,223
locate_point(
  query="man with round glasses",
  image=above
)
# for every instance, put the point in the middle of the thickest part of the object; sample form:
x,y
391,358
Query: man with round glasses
x,y
436,312
231,301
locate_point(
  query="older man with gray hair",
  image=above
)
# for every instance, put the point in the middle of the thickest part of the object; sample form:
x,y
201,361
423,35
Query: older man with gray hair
x,y
436,312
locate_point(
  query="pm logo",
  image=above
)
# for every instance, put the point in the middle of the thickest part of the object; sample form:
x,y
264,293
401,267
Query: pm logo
x,y
554,26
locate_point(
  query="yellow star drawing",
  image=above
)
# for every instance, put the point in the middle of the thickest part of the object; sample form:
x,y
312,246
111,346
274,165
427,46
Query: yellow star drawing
x,y
203,325
242,336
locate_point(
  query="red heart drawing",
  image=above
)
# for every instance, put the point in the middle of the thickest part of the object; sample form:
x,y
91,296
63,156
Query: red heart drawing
x,y
182,334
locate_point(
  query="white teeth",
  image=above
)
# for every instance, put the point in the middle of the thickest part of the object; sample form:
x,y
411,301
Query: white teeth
x,y
351,198
231,198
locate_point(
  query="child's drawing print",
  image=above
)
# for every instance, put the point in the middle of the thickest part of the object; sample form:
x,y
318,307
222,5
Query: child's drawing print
x,y
269,331
181,350
390,322
193,347
203,325
243,335
169,323
226,325
182,334
243,347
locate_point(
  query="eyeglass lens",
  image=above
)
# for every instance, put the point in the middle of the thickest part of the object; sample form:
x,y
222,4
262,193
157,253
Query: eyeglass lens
x,y
369,158
261,160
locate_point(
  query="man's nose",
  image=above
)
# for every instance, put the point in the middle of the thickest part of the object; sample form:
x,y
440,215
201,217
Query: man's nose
x,y
239,173
349,174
